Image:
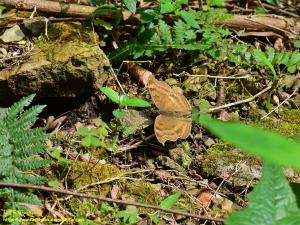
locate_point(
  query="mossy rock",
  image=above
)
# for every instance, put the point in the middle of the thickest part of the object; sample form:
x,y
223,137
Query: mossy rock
x,y
287,124
70,64
222,160
88,173
144,192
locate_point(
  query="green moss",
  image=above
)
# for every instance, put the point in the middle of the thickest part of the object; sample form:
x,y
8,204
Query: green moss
x,y
223,153
81,206
287,124
142,192
83,173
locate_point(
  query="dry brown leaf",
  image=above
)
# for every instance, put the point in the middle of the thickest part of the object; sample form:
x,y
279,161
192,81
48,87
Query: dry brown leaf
x,y
204,199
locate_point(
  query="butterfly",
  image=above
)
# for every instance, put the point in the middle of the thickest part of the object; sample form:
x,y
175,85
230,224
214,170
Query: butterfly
x,y
172,122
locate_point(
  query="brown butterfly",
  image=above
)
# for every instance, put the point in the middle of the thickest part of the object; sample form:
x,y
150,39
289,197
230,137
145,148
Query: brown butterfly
x,y
173,106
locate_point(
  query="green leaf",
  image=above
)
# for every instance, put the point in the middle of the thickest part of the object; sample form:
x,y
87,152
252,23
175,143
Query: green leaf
x,y
101,23
154,219
149,15
106,208
166,6
189,18
262,59
83,131
90,141
131,5
271,202
130,215
135,102
215,2
297,44
123,100
170,200
266,144
61,160
118,114
165,33
294,59
111,94
273,2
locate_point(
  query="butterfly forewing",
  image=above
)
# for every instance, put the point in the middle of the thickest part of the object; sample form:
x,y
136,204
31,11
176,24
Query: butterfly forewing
x,y
167,99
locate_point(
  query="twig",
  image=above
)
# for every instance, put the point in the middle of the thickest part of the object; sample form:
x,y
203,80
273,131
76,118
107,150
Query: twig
x,y
219,77
280,10
285,100
242,101
135,145
117,201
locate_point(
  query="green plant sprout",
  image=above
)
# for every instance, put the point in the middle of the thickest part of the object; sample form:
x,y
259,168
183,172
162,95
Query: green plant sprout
x,y
122,101
95,137
262,59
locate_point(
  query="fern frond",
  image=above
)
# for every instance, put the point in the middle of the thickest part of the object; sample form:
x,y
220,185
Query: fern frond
x,y
13,111
179,32
28,197
27,118
20,148
5,150
30,164
164,33
25,151
30,179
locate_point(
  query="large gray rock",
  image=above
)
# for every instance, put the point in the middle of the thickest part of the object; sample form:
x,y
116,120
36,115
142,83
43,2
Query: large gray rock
x,y
68,65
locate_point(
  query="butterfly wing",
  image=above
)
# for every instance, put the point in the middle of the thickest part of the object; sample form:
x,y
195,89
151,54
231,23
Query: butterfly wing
x,y
168,128
167,99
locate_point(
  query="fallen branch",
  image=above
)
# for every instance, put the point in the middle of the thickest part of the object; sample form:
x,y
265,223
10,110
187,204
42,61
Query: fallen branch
x,y
63,9
277,24
262,23
240,102
100,198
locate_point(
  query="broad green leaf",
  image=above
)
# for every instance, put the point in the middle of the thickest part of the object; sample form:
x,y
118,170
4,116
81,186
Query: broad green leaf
x,y
170,200
118,114
83,131
111,94
90,141
266,144
135,102
272,202
123,100
262,59
131,5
